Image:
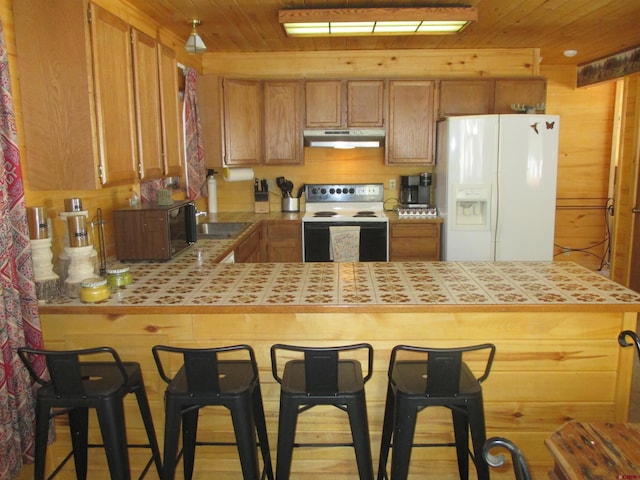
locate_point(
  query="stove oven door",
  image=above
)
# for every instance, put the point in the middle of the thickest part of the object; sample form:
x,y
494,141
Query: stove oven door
x,y
373,241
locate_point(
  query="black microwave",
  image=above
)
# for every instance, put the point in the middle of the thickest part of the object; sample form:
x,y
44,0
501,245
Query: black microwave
x,y
154,232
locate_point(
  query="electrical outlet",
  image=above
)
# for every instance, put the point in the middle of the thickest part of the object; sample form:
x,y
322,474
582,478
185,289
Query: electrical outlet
x,y
392,184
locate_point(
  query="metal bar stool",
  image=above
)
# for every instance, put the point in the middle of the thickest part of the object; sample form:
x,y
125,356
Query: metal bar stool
x,y
74,387
204,380
433,377
520,465
321,377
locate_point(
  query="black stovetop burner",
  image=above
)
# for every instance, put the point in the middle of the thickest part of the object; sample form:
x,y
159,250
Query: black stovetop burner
x,y
365,213
324,214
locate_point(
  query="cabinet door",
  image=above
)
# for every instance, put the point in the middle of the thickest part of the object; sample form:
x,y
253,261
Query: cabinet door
x,y
249,250
284,242
147,95
414,242
525,92
56,104
365,103
465,97
242,122
411,122
113,87
324,104
282,122
172,143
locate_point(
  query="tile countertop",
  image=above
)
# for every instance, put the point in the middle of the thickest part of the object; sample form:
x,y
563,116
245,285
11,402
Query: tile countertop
x,y
195,283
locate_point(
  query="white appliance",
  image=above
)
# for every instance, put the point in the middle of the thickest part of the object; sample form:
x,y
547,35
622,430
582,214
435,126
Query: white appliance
x,y
360,205
496,186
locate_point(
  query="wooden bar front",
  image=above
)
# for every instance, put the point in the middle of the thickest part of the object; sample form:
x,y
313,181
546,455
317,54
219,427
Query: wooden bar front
x,y
552,365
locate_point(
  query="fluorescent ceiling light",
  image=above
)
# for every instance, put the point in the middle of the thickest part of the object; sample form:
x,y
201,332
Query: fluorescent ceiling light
x,y
376,21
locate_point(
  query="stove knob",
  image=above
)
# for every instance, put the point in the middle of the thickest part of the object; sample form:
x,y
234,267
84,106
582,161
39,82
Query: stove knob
x,y
323,191
352,190
332,191
314,190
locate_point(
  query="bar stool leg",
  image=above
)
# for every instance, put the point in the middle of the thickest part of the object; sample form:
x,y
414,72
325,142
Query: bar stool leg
x,y
478,436
112,425
189,433
405,414
145,412
79,429
357,410
461,431
172,419
261,426
42,437
286,434
387,433
245,430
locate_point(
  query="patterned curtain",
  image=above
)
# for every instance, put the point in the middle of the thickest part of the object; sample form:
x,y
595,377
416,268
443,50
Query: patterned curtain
x,y
19,320
196,172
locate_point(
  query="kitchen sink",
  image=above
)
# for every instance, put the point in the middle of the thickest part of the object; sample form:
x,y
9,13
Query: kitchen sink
x,y
221,230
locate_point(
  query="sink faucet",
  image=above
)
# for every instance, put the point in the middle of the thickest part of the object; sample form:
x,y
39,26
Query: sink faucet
x,y
200,214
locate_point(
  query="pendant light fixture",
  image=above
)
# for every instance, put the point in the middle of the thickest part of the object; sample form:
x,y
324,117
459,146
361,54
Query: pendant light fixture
x,y
194,42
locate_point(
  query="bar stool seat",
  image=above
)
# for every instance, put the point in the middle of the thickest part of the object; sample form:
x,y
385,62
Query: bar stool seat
x,y
76,386
204,379
321,377
428,377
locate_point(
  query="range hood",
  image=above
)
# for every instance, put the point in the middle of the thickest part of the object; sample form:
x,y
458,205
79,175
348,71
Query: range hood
x,y
348,138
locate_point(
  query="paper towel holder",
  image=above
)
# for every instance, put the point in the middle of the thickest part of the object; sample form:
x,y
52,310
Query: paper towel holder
x,y
240,174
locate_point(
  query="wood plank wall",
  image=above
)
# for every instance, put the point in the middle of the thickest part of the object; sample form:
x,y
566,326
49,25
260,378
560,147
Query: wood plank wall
x,y
627,173
585,135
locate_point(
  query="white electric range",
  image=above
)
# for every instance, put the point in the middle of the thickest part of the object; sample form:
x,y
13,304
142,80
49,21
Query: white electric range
x,y
348,205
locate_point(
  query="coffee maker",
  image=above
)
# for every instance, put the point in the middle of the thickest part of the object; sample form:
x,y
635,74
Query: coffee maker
x,y
415,190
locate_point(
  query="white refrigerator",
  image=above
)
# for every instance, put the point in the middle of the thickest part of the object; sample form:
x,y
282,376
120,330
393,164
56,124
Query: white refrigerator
x,y
495,182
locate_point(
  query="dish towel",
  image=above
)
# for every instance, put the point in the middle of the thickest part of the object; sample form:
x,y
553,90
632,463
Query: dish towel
x,y
344,245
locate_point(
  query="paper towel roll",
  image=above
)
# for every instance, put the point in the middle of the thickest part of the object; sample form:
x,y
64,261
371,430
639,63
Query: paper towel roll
x,y
237,174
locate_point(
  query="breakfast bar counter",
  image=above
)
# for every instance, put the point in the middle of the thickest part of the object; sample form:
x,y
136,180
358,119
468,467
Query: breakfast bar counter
x,y
555,326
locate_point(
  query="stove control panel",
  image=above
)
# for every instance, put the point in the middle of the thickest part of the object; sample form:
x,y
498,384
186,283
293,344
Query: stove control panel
x,y
355,192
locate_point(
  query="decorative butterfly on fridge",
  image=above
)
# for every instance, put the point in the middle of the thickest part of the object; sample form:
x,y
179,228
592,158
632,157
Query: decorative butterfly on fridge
x,y
549,126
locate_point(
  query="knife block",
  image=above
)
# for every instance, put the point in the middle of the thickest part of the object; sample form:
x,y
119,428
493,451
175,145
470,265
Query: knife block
x,y
261,206
261,203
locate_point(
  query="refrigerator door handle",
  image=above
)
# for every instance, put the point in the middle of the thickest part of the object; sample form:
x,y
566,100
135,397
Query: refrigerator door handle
x,y
635,210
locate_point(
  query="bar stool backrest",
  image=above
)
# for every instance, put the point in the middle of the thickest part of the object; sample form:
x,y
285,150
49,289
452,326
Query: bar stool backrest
x,y
321,366
444,367
65,371
201,365
321,371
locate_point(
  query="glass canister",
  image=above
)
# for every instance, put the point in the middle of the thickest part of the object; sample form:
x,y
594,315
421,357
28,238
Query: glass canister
x,y
119,277
93,290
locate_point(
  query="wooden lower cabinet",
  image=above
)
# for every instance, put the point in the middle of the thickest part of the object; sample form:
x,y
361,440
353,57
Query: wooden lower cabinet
x,y
249,250
413,241
283,241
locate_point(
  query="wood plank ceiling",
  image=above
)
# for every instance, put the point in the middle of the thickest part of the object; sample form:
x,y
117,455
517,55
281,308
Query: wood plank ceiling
x,y
596,28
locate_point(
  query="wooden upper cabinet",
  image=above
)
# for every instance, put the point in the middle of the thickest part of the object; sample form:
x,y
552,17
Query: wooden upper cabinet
x,y
77,121
113,85
283,122
242,107
324,104
530,92
411,122
365,103
344,104
147,96
465,97
172,136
